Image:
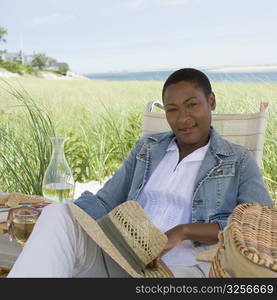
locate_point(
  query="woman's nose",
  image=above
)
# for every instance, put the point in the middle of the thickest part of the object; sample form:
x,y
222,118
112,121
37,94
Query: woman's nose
x,y
183,115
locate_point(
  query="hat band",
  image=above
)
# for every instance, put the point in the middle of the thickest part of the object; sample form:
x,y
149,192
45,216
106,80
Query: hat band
x,y
117,239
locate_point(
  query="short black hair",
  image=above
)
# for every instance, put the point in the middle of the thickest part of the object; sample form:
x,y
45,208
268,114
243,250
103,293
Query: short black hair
x,y
190,75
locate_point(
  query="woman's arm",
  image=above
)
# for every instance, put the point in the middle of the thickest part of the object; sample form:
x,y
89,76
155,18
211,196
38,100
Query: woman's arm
x,y
202,232
114,191
251,185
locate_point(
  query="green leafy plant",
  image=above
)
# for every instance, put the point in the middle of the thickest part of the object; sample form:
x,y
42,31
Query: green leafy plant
x,y
13,66
17,67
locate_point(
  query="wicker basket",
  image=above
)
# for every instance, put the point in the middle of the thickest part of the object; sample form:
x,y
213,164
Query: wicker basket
x,y
248,245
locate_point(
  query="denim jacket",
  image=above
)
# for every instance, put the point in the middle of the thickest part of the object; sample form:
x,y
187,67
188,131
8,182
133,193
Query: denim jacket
x,y
228,176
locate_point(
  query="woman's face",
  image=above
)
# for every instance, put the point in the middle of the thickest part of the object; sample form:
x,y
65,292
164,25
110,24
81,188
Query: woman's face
x,y
188,112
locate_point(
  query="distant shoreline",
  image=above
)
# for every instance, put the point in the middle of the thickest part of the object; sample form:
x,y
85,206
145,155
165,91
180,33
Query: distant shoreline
x,y
258,73
244,69
45,75
215,75
247,68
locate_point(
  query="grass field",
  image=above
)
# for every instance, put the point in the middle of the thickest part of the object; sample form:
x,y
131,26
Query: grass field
x,y
103,119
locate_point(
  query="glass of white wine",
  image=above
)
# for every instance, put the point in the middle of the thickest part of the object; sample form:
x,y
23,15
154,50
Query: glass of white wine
x,y
22,225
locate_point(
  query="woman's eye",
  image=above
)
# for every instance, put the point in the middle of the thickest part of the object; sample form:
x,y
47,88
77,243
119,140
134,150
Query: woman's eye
x,y
192,104
171,110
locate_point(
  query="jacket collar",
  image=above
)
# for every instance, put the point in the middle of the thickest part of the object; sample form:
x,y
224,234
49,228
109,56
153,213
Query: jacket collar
x,y
219,146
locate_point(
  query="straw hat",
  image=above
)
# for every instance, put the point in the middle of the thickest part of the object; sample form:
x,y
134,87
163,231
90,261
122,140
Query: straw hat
x,y
248,245
128,236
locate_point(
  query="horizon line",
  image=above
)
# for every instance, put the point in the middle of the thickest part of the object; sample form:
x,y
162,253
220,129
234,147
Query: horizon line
x,y
216,68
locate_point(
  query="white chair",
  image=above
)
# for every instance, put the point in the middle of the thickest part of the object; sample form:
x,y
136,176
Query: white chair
x,y
244,129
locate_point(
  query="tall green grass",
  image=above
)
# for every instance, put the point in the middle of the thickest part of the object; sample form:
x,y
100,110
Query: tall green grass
x,y
24,144
102,120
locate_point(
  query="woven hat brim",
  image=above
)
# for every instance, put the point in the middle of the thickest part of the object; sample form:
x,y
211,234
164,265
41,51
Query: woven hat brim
x,y
92,228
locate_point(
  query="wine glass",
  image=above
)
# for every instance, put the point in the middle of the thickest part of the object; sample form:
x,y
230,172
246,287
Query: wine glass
x,y
22,225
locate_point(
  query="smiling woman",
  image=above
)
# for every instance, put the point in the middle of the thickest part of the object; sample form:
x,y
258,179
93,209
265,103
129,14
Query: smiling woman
x,y
190,203
188,101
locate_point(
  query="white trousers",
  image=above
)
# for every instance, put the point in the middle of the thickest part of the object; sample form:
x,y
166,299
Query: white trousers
x,y
59,247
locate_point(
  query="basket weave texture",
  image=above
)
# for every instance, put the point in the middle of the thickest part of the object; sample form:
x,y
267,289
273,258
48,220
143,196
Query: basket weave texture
x,y
252,233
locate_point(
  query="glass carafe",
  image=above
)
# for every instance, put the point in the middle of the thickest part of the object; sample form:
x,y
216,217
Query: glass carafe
x,y
58,182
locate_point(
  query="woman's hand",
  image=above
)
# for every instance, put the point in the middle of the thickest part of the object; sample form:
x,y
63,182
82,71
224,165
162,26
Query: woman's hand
x,y
175,236
202,232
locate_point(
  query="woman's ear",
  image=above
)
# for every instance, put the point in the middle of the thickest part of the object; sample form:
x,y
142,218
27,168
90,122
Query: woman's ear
x,y
211,100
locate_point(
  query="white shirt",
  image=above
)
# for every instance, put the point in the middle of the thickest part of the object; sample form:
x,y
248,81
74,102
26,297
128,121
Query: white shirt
x,y
167,198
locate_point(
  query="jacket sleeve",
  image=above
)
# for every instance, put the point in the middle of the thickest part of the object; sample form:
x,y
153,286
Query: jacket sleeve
x,y
251,186
115,190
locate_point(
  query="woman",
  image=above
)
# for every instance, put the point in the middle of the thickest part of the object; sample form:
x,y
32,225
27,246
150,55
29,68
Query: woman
x,y
188,181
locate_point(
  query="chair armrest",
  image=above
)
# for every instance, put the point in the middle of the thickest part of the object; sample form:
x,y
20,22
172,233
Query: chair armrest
x,y
150,105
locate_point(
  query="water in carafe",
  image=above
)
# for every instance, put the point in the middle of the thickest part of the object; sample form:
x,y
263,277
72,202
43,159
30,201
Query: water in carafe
x,y
58,182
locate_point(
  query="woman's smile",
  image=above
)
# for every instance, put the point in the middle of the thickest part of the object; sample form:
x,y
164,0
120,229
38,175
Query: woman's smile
x,y
187,130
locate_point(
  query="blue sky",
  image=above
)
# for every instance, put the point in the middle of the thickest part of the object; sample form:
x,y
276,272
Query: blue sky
x,y
119,35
